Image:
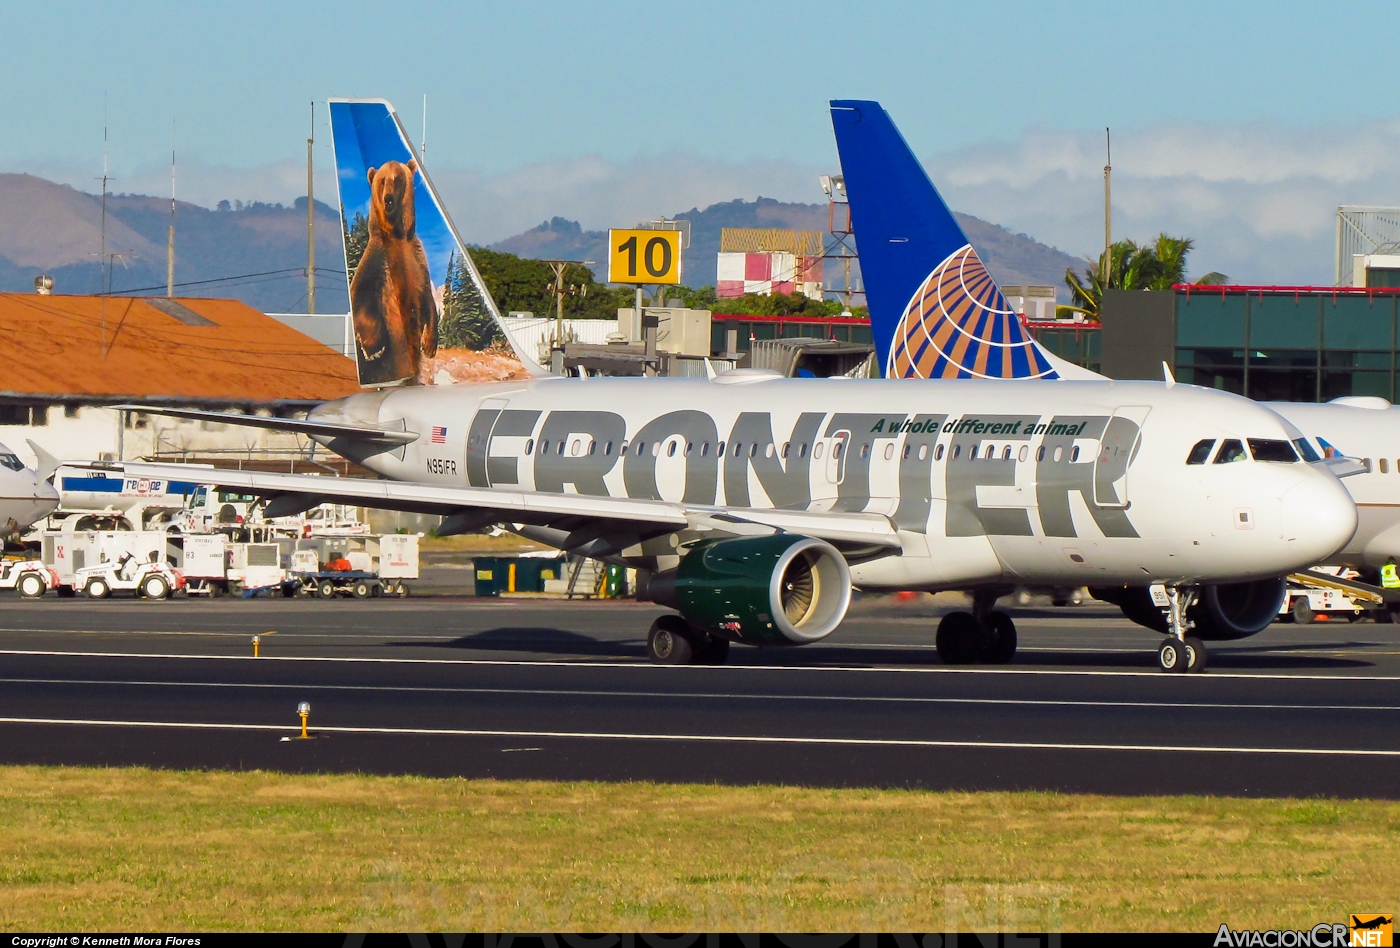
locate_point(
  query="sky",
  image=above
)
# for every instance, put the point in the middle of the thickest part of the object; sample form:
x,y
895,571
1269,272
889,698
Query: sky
x,y
1240,124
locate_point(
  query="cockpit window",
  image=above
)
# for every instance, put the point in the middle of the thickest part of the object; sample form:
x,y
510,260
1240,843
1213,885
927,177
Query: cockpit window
x,y
12,462
1267,449
1306,449
1200,452
1231,450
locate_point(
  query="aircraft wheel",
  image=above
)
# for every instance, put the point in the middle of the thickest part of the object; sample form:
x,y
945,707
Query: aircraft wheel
x,y
1302,611
714,652
670,642
1172,656
1001,646
958,638
98,589
326,589
155,587
1196,654
31,586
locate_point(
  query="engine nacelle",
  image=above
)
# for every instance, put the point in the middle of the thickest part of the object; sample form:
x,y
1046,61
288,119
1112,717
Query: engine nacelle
x,y
774,590
1221,612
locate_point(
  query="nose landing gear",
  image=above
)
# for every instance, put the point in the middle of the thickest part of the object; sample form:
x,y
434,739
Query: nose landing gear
x,y
1179,652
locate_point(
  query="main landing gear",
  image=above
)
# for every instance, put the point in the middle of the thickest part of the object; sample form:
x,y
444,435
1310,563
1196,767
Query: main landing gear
x,y
980,636
1179,652
672,641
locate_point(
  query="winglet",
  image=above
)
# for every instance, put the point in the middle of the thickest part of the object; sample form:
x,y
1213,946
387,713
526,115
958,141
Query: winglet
x,y
1167,375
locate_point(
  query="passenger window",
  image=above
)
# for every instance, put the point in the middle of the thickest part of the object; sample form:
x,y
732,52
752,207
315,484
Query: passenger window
x,y
753,450
1059,453
1074,455
671,450
1269,449
529,447
907,449
560,450
937,453
1385,469
802,450
592,447
957,451
544,447
1006,453
1040,453
786,445
818,450
1231,450
889,451
768,450
1024,453
719,450
705,449
1366,463
1306,450
864,451
1201,451
836,449
991,452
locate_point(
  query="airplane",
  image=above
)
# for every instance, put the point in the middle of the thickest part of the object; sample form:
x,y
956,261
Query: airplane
x,y
912,248
758,503
25,496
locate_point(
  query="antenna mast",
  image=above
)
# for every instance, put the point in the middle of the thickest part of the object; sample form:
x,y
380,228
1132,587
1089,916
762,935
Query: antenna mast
x,y
1107,208
310,220
170,244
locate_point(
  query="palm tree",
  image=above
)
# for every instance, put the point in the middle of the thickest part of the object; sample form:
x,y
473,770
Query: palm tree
x,y
1156,266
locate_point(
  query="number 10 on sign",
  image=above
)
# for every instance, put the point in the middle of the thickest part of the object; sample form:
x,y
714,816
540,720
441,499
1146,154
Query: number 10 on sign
x,y
644,256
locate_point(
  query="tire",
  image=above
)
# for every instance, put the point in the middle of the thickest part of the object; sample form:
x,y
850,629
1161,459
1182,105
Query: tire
x,y
303,591
1302,612
376,591
363,589
98,589
1196,653
1171,656
155,587
715,652
958,638
403,591
325,589
31,586
216,589
1001,648
670,642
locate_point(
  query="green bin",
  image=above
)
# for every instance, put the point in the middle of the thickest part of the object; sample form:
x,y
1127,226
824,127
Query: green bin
x,y
490,574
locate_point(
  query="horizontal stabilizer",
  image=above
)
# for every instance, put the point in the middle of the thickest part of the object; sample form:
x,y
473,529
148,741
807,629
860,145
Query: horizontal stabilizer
x,y
326,429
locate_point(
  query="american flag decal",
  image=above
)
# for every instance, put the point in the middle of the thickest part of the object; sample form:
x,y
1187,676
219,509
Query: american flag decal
x,y
439,435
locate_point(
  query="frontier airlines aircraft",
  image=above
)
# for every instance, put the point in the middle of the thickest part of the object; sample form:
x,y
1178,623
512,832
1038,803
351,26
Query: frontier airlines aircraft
x,y
757,503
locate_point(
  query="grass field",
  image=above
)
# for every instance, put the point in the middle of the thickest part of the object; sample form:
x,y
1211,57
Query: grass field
x,y
131,849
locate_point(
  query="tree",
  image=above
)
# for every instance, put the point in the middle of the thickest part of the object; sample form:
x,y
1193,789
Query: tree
x,y
356,240
466,321
1158,266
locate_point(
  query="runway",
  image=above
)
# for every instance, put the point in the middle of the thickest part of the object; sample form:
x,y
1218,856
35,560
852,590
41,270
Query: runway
x,y
542,689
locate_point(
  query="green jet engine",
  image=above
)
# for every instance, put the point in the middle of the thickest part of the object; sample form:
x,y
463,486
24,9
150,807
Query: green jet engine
x,y
775,590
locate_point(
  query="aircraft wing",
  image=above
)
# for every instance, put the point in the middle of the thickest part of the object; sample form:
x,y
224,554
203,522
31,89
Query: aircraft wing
x,y
476,507
328,429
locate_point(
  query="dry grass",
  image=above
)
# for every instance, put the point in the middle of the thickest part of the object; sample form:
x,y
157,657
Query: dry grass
x,y
132,849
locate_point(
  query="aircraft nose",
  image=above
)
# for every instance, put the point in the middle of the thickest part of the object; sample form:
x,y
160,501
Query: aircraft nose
x,y
1319,515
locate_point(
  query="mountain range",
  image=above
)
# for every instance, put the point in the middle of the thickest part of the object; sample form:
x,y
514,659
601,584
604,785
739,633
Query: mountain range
x,y
257,252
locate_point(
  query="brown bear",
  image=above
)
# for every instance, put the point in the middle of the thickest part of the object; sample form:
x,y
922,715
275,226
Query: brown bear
x,y
391,297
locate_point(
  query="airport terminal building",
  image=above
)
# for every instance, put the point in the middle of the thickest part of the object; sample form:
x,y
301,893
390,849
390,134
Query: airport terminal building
x,y
1272,343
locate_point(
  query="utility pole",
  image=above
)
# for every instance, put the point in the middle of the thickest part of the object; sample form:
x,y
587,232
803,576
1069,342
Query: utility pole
x,y
170,243
310,219
1107,209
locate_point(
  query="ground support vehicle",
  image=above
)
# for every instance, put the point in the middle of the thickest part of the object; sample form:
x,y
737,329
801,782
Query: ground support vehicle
x,y
151,579
377,565
1336,593
69,552
30,578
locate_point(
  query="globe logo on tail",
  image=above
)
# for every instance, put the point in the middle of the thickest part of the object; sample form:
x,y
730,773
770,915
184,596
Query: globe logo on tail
x,y
959,326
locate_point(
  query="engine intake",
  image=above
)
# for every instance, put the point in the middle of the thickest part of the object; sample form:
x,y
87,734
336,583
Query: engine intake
x,y
1221,612
774,590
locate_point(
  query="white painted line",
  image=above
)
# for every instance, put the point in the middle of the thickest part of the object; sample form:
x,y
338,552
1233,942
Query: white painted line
x,y
717,738
710,669
701,695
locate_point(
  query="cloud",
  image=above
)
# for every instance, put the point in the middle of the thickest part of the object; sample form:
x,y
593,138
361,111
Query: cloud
x,y
1260,201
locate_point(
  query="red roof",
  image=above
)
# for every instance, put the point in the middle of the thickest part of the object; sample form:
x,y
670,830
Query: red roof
x,y
185,350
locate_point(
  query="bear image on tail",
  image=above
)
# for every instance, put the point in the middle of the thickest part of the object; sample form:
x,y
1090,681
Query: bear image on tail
x,y
391,296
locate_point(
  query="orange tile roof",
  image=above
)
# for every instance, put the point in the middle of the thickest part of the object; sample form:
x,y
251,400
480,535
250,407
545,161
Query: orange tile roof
x,y
60,347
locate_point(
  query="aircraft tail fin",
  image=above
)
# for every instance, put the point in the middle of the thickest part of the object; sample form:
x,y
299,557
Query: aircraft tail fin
x,y
935,311
375,165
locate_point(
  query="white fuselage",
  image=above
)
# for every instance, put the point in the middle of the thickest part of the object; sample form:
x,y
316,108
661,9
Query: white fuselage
x,y
986,482
24,496
1371,435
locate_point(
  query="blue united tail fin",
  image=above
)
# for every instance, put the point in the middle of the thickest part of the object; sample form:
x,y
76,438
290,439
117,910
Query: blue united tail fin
x,y
934,309
368,138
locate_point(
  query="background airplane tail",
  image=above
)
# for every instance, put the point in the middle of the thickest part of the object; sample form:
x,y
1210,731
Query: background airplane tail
x,y
935,311
366,134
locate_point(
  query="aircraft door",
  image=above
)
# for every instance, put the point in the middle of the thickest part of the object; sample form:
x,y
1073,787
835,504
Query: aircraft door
x,y
478,441
1117,447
